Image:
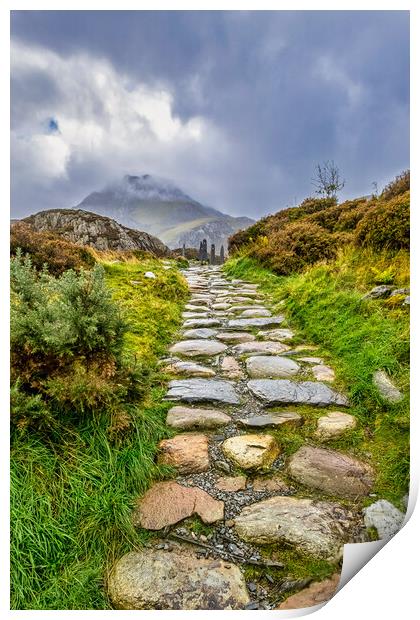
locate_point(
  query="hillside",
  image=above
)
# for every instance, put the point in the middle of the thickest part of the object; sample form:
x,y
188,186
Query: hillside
x,y
162,209
90,229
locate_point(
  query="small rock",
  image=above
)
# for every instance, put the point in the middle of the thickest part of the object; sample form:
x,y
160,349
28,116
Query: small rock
x,y
386,388
252,586
406,301
222,466
189,369
231,483
310,360
276,334
156,579
188,453
203,332
400,291
334,424
379,291
384,517
306,347
251,451
230,368
323,373
318,592
150,274
270,484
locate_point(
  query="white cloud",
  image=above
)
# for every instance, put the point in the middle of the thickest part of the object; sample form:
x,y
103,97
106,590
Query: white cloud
x,y
330,72
105,121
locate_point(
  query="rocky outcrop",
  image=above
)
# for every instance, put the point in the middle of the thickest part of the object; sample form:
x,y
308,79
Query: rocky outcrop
x,y
96,231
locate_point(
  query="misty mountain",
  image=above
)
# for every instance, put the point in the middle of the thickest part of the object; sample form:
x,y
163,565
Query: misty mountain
x,y
162,209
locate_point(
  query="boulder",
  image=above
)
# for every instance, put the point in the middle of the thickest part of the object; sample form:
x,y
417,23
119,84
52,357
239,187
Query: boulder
x,y
331,472
334,424
315,594
312,527
167,503
271,367
251,451
283,392
159,579
202,390
187,452
189,418
384,517
198,348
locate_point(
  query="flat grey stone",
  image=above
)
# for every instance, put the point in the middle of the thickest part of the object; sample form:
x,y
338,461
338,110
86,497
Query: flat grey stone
x,y
195,315
248,307
187,418
282,418
384,517
202,390
260,347
271,321
312,527
276,334
386,388
199,347
384,290
235,337
311,360
200,332
283,392
190,369
201,323
194,308
255,312
271,367
157,579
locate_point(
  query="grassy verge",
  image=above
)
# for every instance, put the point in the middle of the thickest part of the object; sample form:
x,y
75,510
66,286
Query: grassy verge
x,y
324,306
71,498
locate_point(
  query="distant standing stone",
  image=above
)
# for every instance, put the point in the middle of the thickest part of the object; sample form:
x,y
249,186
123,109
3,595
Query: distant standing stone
x,y
283,391
158,579
334,424
332,472
384,517
386,388
188,453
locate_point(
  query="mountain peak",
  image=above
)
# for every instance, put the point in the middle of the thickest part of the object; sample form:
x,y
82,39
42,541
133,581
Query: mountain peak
x,y
150,187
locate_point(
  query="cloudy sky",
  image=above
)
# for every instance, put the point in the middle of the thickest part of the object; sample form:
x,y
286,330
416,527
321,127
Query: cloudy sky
x,y
235,107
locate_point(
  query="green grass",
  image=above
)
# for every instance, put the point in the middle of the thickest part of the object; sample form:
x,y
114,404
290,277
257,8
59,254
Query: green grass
x,y
71,498
324,305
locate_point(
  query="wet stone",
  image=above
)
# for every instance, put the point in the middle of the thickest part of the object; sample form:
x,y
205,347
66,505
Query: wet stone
x,y
167,503
188,418
196,348
203,332
202,390
158,579
251,323
190,369
282,392
275,419
251,451
235,337
201,323
331,472
327,526
271,367
260,347
188,453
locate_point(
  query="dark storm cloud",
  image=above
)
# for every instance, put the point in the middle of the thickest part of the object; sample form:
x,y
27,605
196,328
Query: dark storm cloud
x,y
279,92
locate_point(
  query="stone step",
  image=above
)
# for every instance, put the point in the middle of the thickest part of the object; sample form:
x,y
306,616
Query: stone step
x,y
198,348
203,390
251,451
188,418
284,392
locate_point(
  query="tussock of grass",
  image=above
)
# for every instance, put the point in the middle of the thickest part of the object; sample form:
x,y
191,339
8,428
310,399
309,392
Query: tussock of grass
x,y
325,307
72,497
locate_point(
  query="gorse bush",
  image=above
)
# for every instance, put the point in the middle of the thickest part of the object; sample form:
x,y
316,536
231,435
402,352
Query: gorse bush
x,y
297,237
66,345
48,248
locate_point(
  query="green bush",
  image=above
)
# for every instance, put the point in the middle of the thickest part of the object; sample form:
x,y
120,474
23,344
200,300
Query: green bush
x,y
386,225
66,345
399,185
47,248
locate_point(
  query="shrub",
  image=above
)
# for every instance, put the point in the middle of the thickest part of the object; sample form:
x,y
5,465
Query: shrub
x,y
398,186
66,345
48,248
386,225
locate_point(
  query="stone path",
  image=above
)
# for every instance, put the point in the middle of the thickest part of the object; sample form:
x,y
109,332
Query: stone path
x,y
231,472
